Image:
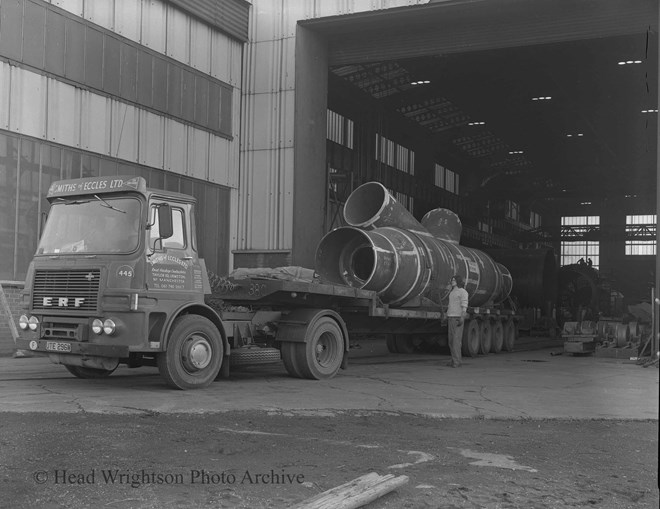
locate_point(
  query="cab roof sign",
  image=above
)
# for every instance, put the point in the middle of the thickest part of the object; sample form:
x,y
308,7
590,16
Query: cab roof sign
x,y
96,185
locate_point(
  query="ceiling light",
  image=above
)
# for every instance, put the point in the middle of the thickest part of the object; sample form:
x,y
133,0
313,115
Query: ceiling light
x,y
577,135
629,62
585,203
476,123
650,111
542,98
512,152
420,82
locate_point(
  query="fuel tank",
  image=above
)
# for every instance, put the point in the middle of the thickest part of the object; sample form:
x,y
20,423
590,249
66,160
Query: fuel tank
x,y
385,249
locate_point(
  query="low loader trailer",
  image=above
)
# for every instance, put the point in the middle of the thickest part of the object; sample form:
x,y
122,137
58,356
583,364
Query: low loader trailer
x,y
117,279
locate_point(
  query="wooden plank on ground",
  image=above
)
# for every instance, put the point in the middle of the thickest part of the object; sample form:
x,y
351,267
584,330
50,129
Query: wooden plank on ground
x,y
355,493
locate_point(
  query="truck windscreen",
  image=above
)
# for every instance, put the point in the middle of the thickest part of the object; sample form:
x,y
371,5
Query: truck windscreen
x,y
92,225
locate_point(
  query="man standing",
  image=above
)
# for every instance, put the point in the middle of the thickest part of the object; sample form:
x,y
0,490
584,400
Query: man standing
x,y
456,313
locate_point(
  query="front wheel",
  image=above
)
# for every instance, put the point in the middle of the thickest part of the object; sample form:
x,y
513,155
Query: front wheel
x,y
321,355
89,373
194,353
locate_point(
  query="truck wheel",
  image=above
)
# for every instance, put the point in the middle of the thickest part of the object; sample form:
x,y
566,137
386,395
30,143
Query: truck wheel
x,y
391,343
194,353
89,373
485,337
405,343
471,344
320,357
289,353
498,337
510,335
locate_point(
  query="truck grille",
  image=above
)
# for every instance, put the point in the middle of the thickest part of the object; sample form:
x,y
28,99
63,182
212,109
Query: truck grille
x,y
73,290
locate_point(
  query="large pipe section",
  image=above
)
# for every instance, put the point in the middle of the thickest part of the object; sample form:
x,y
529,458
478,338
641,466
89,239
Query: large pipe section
x,y
385,249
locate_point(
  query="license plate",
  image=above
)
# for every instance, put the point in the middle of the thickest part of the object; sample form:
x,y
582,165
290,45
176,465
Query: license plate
x,y
56,346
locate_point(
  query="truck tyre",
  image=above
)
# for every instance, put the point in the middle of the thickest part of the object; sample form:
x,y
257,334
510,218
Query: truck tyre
x,y
510,335
485,337
471,345
498,337
391,343
405,343
89,373
289,353
194,353
321,355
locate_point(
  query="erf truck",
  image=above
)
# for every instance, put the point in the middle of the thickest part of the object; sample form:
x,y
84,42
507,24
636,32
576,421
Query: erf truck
x,y
117,279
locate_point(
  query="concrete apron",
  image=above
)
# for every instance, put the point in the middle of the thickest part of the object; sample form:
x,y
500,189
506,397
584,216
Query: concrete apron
x,y
519,385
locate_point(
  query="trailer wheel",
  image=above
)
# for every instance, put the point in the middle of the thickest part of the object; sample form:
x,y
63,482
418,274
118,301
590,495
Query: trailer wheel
x,y
321,355
289,353
391,343
498,337
510,335
485,337
471,343
89,373
194,353
405,343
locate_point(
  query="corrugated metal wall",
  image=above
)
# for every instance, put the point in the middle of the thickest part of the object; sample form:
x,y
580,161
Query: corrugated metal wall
x,y
167,30
267,164
46,108
66,78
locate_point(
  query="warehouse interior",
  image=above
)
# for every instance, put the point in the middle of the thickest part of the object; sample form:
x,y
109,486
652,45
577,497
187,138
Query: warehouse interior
x,y
539,114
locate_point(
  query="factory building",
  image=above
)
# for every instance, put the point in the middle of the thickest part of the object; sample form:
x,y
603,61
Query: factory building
x,y
536,122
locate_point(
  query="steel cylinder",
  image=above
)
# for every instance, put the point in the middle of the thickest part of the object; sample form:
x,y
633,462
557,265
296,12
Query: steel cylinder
x,y
388,251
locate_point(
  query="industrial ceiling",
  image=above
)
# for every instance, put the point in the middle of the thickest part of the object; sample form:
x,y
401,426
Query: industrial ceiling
x,y
545,102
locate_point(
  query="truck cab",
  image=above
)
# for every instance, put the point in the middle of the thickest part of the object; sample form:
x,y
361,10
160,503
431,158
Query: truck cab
x,y
117,279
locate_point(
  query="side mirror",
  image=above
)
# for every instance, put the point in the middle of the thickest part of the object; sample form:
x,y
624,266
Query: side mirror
x,y
165,228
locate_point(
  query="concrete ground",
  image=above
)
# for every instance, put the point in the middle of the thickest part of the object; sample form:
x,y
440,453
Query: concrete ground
x,y
529,384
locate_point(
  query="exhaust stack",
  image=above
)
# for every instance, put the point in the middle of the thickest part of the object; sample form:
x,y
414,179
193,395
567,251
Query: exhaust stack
x,y
388,251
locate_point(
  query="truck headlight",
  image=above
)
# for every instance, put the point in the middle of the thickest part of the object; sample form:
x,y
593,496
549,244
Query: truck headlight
x,y
97,326
33,323
23,322
109,327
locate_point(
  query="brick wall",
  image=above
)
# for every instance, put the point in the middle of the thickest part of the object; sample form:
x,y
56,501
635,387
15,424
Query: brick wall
x,y
12,292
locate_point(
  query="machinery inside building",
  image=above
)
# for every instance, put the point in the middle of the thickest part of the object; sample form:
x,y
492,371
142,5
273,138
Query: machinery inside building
x,y
542,137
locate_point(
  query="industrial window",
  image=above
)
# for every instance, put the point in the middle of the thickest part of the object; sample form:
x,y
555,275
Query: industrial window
x,y
512,210
484,227
340,129
535,220
446,179
404,199
641,235
395,155
580,250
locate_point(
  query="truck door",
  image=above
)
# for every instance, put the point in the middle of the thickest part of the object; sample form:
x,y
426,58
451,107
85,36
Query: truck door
x,y
172,263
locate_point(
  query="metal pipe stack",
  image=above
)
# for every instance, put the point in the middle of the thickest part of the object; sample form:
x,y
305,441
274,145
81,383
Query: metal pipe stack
x,y
385,249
